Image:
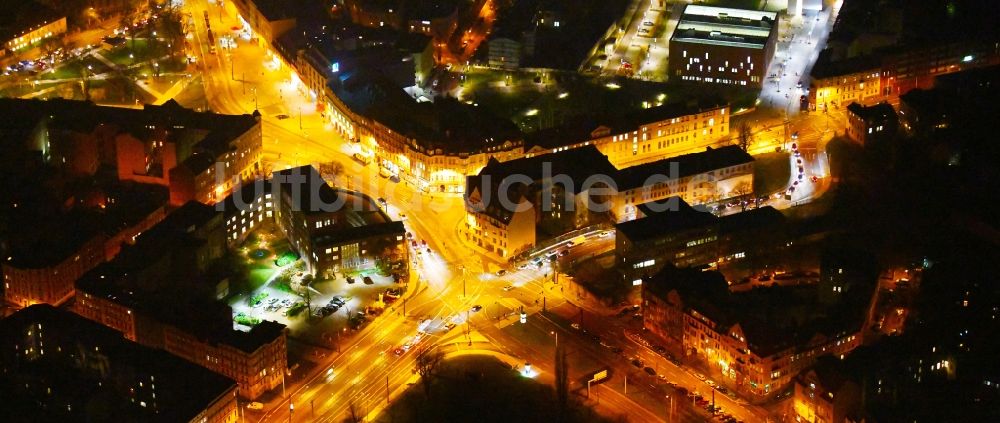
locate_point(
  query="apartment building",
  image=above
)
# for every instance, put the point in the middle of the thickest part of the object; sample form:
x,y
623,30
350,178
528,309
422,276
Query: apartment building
x,y
170,268
871,124
641,136
58,365
746,338
714,175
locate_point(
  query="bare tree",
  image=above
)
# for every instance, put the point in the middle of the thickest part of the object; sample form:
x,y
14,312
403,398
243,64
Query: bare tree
x,y
428,366
742,192
745,139
353,414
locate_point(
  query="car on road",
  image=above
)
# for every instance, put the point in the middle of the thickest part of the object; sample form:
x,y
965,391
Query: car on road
x,y
508,288
368,280
649,370
255,406
699,376
382,201
501,272
522,266
563,253
637,362
710,382
449,325
476,308
281,117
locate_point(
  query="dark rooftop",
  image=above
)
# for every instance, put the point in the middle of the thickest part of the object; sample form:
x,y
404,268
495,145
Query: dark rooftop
x,y
21,16
144,278
686,165
879,112
212,132
773,318
671,214
585,127
61,385
445,124
576,164
763,217
826,66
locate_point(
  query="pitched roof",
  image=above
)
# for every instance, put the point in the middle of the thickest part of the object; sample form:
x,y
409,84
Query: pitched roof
x,y
682,166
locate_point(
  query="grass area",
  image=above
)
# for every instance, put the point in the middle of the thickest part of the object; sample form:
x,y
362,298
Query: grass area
x,y
258,275
295,309
466,387
75,68
771,173
257,298
245,320
283,284
140,52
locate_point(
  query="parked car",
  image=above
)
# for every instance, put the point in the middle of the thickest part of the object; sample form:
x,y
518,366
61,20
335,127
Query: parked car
x,y
368,280
650,371
255,406
508,288
476,308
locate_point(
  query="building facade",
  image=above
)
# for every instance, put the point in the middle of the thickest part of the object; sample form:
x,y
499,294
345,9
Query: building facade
x,y
26,23
92,364
872,124
641,137
32,283
723,45
695,311
698,178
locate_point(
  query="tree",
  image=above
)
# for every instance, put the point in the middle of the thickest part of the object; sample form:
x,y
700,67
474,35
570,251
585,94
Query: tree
x,y
353,415
742,193
745,139
428,367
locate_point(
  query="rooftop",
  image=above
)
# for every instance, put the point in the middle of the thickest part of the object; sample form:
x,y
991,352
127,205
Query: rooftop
x,y
670,215
64,387
574,166
445,126
772,319
207,134
358,215
584,128
145,277
22,16
879,112
826,66
685,165
725,26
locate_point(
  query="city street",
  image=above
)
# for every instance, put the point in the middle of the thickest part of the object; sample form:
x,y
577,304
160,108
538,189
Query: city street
x,y
448,280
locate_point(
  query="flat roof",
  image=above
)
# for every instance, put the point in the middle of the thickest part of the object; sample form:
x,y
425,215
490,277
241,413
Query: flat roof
x,y
725,26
